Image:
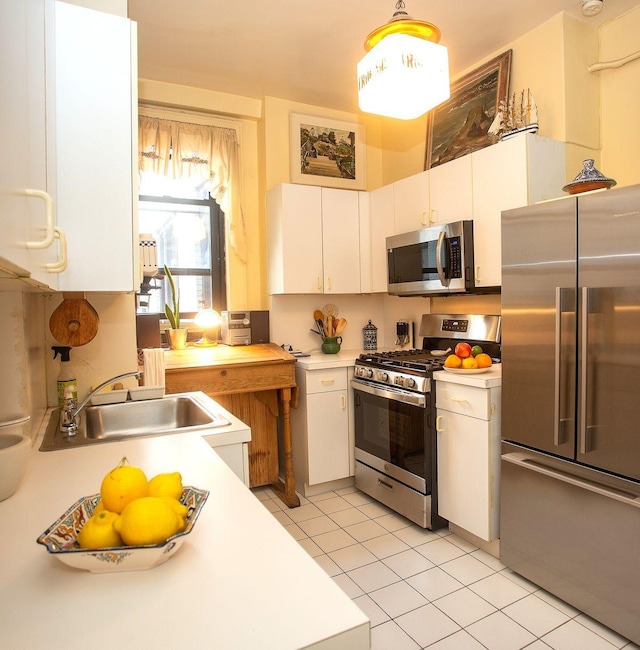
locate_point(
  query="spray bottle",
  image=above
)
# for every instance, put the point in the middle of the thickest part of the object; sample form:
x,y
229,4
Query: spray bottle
x,y
67,377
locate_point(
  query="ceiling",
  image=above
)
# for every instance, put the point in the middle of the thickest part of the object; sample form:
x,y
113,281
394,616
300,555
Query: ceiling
x,y
307,50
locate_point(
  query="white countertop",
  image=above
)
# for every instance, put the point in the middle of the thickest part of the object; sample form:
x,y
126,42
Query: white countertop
x,y
319,360
489,379
239,581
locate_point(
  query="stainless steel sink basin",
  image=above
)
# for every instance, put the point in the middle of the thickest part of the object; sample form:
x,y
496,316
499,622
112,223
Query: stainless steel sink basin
x,y
110,422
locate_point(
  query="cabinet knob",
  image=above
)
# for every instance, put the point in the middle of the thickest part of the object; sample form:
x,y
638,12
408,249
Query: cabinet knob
x,y
223,373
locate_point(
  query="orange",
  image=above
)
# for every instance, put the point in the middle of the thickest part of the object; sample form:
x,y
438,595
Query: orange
x,y
484,360
122,485
470,363
452,361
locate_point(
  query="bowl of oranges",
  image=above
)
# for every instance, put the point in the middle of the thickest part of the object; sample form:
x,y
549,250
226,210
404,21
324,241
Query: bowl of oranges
x,y
467,359
133,524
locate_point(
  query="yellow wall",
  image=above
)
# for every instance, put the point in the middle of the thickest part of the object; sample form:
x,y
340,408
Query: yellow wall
x,y
581,108
620,95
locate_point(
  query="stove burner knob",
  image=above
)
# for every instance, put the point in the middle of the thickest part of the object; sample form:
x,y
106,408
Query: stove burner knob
x,y
369,373
399,381
411,383
384,376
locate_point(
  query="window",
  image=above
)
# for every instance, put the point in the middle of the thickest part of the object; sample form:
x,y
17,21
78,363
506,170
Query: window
x,y
189,203
189,233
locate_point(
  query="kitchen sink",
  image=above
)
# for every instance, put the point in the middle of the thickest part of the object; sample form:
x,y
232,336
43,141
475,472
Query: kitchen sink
x,y
110,422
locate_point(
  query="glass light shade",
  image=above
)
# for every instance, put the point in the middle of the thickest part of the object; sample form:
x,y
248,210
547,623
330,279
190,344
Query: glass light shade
x,y
403,77
207,319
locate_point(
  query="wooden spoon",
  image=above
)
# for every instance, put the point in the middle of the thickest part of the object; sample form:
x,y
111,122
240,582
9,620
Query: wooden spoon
x,y
318,315
340,324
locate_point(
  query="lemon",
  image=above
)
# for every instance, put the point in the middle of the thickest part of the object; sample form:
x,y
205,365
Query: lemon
x,y
148,520
180,509
166,485
99,532
470,363
122,485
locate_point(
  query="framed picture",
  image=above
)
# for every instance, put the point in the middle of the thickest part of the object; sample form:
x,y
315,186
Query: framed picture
x,y
459,125
327,152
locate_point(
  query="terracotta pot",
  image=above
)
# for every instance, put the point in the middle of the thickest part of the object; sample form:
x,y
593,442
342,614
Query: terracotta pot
x,y
178,338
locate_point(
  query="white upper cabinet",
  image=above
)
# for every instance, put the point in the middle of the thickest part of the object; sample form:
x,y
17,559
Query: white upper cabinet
x,y
411,203
96,144
27,211
340,241
450,193
382,226
313,240
513,173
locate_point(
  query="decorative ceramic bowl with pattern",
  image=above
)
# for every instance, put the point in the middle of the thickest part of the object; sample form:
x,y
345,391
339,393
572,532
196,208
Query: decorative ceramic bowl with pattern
x,y
60,539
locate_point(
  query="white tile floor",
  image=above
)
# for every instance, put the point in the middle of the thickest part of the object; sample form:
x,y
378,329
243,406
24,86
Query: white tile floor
x,y
422,589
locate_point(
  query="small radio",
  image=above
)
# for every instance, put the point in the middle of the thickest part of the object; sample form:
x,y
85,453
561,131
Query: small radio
x,y
244,327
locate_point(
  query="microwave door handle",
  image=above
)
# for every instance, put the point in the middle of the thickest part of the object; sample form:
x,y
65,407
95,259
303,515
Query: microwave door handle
x,y
443,279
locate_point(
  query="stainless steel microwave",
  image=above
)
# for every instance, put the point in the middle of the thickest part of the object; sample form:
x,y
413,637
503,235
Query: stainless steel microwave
x,y
431,261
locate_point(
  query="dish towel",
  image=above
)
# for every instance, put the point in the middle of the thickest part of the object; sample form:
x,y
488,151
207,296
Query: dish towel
x,y
153,362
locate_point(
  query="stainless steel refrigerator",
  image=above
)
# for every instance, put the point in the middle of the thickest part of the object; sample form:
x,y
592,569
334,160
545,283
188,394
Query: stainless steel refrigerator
x,y
570,487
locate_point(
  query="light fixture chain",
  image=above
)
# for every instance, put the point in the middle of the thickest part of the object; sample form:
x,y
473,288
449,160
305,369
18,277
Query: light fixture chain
x,y
400,5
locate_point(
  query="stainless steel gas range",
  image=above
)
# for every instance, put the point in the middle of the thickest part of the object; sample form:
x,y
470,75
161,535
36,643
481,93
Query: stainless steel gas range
x,y
394,400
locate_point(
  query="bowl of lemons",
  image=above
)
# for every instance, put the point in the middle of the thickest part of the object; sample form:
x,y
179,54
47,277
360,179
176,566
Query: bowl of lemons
x,y
132,524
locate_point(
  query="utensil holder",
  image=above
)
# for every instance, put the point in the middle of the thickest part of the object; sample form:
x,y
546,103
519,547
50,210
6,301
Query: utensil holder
x,y
331,344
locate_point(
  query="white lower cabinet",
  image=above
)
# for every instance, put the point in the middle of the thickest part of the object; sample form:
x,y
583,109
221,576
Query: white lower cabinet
x,y
321,429
236,457
468,431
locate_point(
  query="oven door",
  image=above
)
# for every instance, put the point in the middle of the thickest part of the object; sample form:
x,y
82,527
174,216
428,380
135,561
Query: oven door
x,y
392,433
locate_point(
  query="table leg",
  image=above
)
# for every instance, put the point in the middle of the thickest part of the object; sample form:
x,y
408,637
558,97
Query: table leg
x,y
287,490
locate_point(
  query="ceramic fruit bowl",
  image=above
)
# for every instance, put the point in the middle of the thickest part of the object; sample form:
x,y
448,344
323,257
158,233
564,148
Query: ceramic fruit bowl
x,y
467,371
60,539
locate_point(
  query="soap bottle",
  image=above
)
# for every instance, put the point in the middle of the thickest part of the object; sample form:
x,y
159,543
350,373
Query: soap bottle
x,y
67,376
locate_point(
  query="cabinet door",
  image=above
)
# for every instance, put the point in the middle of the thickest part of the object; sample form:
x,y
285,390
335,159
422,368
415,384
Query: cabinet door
x,y
340,241
450,194
411,203
499,183
94,134
467,488
294,239
382,226
328,436
366,270
23,161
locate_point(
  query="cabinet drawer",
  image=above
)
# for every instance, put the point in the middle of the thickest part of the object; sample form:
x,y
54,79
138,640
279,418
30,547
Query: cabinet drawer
x,y
320,381
466,400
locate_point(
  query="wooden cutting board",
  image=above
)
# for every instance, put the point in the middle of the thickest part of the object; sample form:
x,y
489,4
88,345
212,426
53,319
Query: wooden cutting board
x,y
74,322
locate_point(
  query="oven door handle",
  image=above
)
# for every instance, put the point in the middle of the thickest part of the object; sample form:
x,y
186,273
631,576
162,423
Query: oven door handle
x,y
413,399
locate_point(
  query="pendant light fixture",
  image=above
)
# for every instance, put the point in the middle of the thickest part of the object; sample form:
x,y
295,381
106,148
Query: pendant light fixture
x,y
405,72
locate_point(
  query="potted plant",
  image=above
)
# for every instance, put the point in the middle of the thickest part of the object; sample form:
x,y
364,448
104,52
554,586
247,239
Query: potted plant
x,y
177,334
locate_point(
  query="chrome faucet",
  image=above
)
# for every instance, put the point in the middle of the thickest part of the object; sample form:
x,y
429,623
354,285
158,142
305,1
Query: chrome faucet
x,y
70,412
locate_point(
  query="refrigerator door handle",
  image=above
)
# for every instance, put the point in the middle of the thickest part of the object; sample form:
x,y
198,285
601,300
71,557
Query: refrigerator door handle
x,y
584,445
526,462
562,298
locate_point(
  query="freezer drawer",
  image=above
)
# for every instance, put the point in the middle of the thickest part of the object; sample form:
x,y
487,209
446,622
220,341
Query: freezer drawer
x,y
574,532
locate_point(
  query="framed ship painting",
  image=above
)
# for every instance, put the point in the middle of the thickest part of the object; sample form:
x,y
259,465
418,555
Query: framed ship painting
x,y
460,125
327,152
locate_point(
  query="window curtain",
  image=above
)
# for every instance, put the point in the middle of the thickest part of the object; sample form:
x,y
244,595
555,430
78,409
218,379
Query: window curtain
x,y
181,149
